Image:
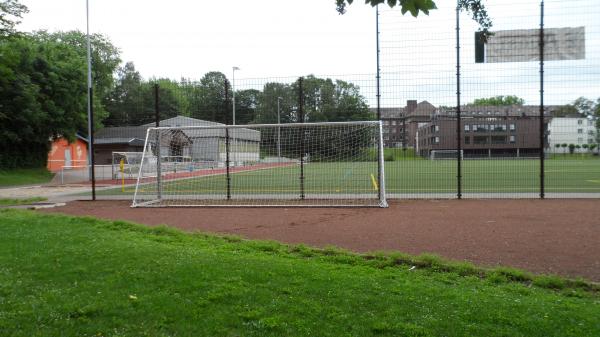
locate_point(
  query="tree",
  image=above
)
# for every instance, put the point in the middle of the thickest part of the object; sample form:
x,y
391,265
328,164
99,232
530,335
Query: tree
x,y
475,7
125,103
498,101
326,100
246,105
210,101
565,110
584,106
105,62
571,148
564,146
267,104
10,13
42,95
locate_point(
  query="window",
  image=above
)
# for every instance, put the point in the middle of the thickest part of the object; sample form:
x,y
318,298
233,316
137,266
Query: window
x,y
393,122
480,139
512,139
580,140
467,128
437,128
437,140
498,139
579,122
512,127
498,128
590,141
590,122
467,140
579,130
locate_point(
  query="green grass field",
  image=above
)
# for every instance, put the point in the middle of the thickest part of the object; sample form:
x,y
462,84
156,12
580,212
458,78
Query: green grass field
x,y
18,177
68,276
26,201
403,177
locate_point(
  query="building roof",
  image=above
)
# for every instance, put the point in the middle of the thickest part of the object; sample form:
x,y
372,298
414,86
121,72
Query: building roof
x,y
423,109
134,135
505,110
131,135
389,113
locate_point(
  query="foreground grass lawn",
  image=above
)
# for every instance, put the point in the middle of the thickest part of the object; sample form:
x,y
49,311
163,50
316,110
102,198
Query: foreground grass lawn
x,y
18,177
67,276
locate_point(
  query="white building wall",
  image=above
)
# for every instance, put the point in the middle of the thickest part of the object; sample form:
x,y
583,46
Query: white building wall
x,y
570,130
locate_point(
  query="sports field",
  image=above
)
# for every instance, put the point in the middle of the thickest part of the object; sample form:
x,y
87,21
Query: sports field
x,y
409,177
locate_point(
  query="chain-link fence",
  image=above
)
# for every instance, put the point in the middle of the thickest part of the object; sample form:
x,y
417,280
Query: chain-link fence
x,y
513,116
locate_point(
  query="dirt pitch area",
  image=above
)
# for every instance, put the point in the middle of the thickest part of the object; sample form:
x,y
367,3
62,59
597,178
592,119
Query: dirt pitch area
x,y
544,236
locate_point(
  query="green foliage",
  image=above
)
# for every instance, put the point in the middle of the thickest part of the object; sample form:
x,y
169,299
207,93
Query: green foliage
x,y
10,13
475,7
412,6
498,101
584,106
127,103
572,148
565,110
105,61
43,92
85,276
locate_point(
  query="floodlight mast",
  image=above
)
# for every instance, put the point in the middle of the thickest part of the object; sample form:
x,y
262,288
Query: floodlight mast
x,y
233,90
279,128
89,103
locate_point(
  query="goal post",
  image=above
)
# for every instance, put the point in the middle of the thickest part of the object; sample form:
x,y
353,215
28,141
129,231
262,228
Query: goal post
x,y
295,164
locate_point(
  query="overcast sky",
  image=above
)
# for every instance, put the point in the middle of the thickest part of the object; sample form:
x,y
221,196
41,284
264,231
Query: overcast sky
x,y
288,38
188,38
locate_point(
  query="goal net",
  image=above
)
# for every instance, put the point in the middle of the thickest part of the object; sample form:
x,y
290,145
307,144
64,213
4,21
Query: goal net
x,y
445,154
298,164
126,164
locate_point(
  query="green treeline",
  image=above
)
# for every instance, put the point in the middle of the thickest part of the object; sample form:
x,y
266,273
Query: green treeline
x,y
43,94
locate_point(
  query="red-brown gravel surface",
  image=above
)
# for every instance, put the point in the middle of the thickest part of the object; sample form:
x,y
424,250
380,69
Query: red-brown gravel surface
x,y
543,236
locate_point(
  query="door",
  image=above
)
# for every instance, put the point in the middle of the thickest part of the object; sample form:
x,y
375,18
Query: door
x,y
68,160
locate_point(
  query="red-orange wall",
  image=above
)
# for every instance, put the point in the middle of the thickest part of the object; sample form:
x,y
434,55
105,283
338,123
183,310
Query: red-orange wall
x,y
56,156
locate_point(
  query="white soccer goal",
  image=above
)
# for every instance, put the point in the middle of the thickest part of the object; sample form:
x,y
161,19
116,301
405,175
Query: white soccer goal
x,y
445,154
299,164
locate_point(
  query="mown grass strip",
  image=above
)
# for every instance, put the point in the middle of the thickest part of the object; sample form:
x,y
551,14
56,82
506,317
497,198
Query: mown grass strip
x,y
16,177
15,202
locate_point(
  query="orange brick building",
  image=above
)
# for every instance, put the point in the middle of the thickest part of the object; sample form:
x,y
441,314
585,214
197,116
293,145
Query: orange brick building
x,y
68,155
